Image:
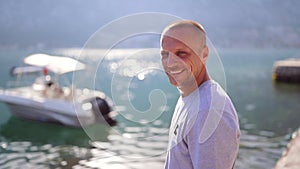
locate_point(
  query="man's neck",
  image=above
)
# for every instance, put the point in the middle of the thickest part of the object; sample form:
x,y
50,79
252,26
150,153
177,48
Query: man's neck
x,y
187,90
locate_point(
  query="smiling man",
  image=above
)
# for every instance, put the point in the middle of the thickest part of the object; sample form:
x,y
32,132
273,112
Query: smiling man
x,y
204,132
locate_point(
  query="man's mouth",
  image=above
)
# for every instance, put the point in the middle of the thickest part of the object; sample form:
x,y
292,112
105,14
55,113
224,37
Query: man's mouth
x,y
175,72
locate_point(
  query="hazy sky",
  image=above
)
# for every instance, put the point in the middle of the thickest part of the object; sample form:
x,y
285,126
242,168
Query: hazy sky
x,y
67,23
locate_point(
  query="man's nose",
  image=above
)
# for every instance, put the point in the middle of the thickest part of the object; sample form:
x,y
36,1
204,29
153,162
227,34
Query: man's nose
x,y
172,60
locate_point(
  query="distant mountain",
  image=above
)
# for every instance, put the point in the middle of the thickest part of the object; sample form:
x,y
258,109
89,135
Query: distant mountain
x,y
229,23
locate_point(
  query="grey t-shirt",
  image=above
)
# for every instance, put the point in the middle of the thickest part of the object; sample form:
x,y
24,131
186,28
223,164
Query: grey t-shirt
x,y
204,132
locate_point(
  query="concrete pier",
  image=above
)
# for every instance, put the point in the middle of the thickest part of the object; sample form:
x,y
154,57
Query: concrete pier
x,y
291,158
287,70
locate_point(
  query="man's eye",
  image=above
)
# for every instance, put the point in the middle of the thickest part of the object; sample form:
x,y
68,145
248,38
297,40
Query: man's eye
x,y
181,54
164,53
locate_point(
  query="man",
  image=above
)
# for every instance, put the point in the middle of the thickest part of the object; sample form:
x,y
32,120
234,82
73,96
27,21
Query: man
x,y
204,132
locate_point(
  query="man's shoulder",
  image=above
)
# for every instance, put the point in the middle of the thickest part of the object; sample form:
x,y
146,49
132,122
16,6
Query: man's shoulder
x,y
215,104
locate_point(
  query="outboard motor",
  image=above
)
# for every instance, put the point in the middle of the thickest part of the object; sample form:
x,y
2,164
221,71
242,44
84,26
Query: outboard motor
x,y
101,110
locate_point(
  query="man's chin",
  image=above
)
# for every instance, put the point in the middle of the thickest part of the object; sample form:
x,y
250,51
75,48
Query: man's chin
x,y
175,83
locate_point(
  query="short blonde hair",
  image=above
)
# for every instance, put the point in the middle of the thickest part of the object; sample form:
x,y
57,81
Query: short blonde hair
x,y
187,24
181,23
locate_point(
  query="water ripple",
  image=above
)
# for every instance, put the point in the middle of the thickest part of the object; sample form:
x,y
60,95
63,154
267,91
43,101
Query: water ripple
x,y
17,154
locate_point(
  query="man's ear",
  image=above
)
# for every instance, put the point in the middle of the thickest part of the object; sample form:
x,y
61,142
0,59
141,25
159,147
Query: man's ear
x,y
205,52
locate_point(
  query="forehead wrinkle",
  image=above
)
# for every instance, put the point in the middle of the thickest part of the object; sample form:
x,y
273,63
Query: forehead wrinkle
x,y
186,36
174,45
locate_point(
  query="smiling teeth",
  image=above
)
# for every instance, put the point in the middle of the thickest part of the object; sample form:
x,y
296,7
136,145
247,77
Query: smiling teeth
x,y
175,72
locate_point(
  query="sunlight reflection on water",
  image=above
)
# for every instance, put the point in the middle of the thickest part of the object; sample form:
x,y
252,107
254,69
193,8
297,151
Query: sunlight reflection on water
x,y
130,145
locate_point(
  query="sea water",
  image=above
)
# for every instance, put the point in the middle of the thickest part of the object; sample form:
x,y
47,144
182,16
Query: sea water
x,y
268,111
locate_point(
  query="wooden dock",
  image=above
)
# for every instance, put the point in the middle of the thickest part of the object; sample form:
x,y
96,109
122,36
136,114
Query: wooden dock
x,y
287,70
291,158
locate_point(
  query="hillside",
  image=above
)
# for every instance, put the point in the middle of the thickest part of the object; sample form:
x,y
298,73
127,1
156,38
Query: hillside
x,y
229,23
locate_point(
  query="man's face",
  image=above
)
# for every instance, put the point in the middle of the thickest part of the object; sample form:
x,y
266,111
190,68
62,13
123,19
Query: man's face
x,y
181,58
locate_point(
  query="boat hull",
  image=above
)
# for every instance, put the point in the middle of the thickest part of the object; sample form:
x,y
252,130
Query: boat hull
x,y
65,112
45,115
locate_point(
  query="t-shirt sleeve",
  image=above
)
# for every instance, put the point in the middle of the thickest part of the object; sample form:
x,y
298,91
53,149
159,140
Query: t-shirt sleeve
x,y
219,151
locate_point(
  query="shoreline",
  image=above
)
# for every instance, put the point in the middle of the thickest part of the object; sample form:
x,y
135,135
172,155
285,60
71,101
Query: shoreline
x,y
290,158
